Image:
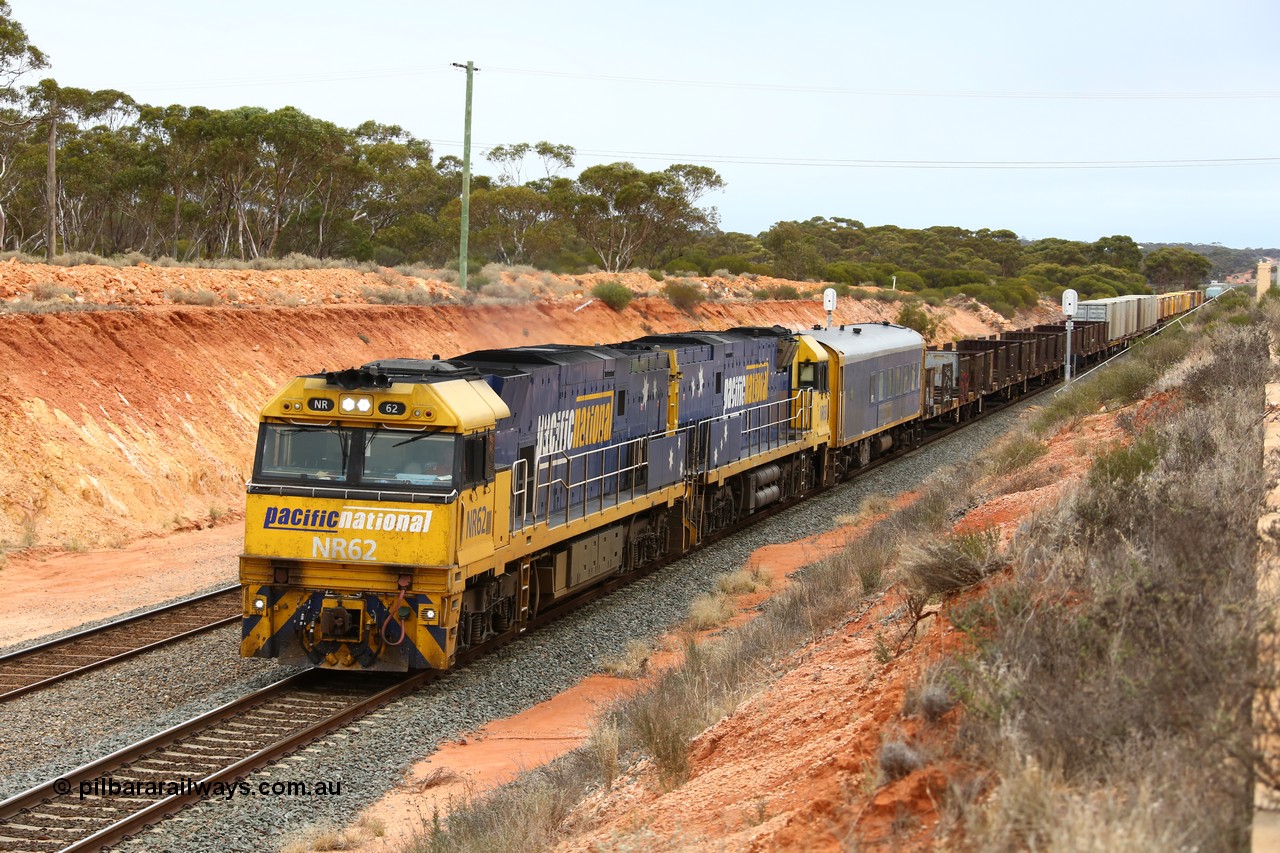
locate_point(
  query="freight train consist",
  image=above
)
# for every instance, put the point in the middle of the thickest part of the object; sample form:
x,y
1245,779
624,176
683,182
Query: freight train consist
x,y
409,509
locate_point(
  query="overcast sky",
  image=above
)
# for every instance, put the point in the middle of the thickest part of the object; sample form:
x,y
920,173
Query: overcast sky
x,y
908,113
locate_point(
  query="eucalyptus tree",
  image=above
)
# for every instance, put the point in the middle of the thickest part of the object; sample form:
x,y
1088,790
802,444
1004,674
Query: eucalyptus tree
x,y
70,108
623,213
18,56
173,138
1175,268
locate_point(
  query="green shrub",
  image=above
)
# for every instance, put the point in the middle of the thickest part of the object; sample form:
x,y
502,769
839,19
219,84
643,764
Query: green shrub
x,y
615,294
915,317
1015,453
778,291
656,275
684,294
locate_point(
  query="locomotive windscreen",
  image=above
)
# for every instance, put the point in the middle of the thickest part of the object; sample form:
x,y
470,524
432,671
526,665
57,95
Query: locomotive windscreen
x,y
385,457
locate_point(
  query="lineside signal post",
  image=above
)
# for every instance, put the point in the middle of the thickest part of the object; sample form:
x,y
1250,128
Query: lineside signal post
x,y
1069,300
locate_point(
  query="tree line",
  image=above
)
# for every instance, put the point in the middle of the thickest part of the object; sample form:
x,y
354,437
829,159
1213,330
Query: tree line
x,y
96,171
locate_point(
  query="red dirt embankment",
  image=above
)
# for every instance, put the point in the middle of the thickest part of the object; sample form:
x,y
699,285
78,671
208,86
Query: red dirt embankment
x,y
119,424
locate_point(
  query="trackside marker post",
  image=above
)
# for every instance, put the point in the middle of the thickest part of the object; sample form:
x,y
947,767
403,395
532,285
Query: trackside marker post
x,y
1069,300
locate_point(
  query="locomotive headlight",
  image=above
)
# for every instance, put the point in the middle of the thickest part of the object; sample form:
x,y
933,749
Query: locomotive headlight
x,y
259,604
353,404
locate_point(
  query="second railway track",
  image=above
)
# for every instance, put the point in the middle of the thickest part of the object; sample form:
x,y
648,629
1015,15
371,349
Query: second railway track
x,y
41,665
111,799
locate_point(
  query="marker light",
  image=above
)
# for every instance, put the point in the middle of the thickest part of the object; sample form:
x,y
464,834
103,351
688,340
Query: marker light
x,y
259,605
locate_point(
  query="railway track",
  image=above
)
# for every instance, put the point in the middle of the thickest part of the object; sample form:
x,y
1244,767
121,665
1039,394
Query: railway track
x,y
39,666
115,797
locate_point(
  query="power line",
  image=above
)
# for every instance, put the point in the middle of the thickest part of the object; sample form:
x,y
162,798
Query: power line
x,y
898,93
236,82
822,162
375,74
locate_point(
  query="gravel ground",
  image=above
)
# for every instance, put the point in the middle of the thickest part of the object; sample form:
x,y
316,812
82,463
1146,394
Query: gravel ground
x,y
101,712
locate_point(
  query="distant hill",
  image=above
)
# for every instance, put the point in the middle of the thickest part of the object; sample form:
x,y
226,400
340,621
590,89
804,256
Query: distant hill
x,y
1226,260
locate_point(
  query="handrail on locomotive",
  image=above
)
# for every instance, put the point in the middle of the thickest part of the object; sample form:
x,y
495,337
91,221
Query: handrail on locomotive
x,y
532,500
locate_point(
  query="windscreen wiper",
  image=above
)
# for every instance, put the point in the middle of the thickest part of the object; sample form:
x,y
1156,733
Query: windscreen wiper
x,y
417,437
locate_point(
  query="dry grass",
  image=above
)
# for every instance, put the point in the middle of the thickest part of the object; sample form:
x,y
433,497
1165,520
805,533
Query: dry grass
x,y
375,827
710,611
952,563
941,495
933,697
634,661
278,296
316,838
57,306
871,507
199,296
603,747
525,815
30,536
436,778
1014,453
1114,677
744,581
401,293
46,291
1028,479
899,758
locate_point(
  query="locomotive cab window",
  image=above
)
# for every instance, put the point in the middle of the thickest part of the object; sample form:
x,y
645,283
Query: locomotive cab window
x,y
302,453
394,457
812,375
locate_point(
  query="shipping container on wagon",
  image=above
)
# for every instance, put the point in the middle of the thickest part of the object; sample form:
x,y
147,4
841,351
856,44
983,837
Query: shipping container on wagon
x,y
1147,312
1125,316
1103,311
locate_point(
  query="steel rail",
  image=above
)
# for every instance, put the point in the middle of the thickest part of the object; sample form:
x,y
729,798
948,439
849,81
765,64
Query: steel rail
x,y
32,653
